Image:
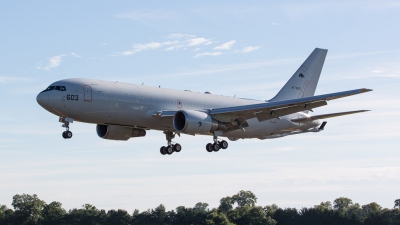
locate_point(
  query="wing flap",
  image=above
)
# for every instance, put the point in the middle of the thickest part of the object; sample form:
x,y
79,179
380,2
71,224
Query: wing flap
x,y
325,116
277,113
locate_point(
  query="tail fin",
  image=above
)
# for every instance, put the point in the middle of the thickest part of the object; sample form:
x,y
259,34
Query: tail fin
x,y
304,82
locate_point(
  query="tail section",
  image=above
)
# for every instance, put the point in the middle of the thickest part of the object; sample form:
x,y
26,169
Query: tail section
x,y
304,81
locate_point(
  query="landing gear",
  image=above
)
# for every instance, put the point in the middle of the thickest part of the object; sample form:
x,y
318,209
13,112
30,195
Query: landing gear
x,y
66,134
217,145
170,148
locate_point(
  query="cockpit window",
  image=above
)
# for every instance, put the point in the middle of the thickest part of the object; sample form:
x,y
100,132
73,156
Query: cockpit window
x,y
57,88
49,88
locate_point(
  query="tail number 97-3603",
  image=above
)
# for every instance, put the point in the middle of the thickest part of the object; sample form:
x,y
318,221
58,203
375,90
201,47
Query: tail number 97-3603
x,y
72,97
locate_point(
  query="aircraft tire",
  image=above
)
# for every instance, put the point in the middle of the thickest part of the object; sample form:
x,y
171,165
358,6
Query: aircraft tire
x,y
169,150
64,135
223,144
162,150
209,147
216,147
68,134
177,148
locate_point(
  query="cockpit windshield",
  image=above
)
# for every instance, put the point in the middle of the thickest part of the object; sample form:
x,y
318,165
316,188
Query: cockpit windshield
x,y
57,88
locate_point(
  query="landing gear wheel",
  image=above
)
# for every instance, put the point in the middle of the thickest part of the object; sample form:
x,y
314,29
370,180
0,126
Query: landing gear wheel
x,y
68,134
177,148
209,147
162,150
216,147
169,150
223,144
64,134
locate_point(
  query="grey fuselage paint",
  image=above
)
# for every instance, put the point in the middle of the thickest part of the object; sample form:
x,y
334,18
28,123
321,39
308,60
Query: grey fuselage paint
x,y
134,105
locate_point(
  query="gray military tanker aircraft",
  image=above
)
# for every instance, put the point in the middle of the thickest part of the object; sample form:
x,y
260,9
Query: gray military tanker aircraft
x,y
122,111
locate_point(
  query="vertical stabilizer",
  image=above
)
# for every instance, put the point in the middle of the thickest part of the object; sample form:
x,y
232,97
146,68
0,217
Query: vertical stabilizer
x,y
304,81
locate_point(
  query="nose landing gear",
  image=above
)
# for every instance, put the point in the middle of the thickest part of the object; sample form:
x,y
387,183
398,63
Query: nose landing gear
x,y
170,148
66,134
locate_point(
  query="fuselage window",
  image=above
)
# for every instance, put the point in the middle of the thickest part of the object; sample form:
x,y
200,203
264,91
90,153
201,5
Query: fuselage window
x,y
58,88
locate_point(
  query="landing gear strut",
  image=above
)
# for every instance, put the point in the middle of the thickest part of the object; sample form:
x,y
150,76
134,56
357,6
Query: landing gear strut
x,y
217,145
170,148
66,134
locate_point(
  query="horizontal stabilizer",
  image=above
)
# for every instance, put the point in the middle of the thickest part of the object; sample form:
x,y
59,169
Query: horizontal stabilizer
x,y
324,116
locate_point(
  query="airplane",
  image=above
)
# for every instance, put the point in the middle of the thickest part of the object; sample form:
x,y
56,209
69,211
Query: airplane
x,y
123,111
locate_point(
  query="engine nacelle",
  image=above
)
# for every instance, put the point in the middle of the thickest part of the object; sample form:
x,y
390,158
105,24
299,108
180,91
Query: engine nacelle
x,y
195,122
113,132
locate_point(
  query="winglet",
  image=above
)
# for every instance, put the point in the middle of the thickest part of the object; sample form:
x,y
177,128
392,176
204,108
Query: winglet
x,y
322,125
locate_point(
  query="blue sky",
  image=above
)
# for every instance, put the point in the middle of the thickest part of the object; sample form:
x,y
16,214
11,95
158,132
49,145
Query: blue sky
x,y
229,48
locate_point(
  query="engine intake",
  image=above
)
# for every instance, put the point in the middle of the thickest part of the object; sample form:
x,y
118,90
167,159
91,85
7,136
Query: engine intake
x,y
114,132
195,122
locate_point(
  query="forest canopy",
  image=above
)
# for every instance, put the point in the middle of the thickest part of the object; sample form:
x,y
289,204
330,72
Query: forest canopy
x,y
240,208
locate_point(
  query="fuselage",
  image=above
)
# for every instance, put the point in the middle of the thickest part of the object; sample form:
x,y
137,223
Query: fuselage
x,y
104,102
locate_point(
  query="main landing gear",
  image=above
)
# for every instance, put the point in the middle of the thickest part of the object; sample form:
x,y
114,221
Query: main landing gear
x,y
66,134
217,145
170,148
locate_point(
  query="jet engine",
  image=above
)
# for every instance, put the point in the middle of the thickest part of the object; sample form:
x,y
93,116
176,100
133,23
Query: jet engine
x,y
120,133
195,122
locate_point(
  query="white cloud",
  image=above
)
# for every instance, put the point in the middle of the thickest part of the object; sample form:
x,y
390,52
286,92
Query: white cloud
x,y
197,41
250,49
54,62
142,47
75,55
182,41
207,54
225,46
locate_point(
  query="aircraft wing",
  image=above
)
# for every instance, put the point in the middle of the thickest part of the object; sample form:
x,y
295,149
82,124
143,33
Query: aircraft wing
x,y
269,110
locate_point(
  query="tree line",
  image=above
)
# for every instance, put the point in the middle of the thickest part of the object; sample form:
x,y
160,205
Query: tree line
x,y
238,209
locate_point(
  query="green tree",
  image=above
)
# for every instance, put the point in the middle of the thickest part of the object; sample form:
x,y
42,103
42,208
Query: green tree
x,y
250,215
88,215
53,213
244,198
216,217
271,209
200,207
342,205
225,205
6,215
324,206
118,217
397,203
27,208
158,215
287,216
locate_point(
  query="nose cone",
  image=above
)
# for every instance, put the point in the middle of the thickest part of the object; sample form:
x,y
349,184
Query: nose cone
x,y
43,99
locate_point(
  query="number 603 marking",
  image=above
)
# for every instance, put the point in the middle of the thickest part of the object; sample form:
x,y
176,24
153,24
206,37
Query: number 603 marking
x,y
72,97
